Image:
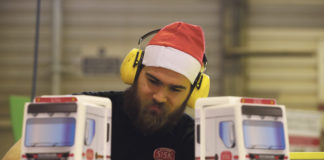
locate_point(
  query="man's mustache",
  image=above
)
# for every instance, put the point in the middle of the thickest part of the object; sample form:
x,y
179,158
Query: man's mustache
x,y
160,105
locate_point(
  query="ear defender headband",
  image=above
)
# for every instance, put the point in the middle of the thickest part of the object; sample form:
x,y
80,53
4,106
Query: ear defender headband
x,y
132,65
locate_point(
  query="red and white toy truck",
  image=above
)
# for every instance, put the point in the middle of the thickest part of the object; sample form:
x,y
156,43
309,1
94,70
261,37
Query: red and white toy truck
x,y
67,128
237,128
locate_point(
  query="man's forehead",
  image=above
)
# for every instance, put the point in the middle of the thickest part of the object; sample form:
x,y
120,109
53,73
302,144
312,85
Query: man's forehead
x,y
167,74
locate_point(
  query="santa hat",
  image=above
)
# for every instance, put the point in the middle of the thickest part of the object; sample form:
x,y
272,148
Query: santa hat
x,y
179,47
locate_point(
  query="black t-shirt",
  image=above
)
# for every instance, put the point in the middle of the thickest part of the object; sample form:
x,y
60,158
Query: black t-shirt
x,y
127,144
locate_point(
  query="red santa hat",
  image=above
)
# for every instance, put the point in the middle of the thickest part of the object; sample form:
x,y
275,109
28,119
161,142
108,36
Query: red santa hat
x,y
179,47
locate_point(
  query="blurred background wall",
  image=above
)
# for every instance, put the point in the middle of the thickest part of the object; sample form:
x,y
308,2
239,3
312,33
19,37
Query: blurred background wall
x,y
255,48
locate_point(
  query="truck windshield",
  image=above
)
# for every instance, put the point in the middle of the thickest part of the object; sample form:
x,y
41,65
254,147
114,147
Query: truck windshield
x,y
50,132
263,135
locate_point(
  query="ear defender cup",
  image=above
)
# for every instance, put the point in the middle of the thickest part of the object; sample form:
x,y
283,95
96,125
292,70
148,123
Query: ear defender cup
x,y
201,90
129,66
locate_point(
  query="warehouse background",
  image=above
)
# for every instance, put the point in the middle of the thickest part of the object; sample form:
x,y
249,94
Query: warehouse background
x,y
255,48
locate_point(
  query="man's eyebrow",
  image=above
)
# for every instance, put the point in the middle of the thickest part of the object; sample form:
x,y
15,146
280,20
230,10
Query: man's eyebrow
x,y
151,76
171,85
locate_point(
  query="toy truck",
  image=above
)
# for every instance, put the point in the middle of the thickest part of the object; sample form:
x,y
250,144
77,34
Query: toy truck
x,y
238,128
67,128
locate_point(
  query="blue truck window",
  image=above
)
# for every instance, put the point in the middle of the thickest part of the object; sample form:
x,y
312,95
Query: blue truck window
x,y
264,134
90,130
50,132
226,133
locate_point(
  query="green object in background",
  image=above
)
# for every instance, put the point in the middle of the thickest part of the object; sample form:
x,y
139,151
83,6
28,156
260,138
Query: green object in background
x,y
17,104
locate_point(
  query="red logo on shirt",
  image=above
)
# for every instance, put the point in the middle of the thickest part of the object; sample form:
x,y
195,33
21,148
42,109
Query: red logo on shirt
x,y
164,154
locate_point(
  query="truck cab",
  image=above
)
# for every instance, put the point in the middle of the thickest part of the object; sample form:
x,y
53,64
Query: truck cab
x,y
238,128
66,127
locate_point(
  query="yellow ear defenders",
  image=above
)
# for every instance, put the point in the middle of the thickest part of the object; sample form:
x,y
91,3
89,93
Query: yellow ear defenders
x,y
132,65
200,88
129,66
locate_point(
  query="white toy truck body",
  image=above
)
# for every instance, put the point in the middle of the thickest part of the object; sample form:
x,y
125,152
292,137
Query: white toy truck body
x,y
236,128
67,128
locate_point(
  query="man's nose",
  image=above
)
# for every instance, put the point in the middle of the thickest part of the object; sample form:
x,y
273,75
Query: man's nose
x,y
160,95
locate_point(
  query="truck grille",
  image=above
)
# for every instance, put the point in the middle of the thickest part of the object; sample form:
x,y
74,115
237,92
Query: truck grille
x,y
266,157
48,156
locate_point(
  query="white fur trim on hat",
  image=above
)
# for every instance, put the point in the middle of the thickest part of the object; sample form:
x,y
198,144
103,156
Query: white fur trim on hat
x,y
173,59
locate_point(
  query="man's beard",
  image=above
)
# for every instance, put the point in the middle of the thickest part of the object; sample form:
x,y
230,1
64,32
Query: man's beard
x,y
145,120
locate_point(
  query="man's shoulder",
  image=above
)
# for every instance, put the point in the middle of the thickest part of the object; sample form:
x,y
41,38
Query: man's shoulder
x,y
186,118
184,134
185,124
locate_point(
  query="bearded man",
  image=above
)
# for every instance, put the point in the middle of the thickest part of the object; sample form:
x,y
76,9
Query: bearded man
x,y
148,119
